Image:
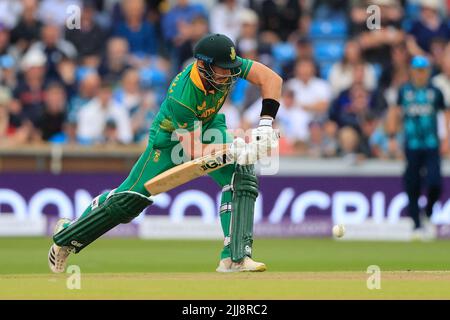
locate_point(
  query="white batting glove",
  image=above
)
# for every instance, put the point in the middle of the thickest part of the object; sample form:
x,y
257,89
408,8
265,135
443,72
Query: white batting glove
x,y
265,137
243,153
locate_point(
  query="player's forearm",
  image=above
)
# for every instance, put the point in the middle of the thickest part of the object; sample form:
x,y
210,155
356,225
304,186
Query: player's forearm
x,y
268,81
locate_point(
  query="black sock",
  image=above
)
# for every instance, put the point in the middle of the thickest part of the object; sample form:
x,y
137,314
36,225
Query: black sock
x,y
413,209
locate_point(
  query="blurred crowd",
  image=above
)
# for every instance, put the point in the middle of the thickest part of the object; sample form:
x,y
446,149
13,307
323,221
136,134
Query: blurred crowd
x,y
102,81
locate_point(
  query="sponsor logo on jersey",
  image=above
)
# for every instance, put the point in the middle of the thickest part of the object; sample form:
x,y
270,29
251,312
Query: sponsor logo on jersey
x,y
207,113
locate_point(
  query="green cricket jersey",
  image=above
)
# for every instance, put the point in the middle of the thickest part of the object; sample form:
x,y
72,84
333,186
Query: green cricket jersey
x,y
188,104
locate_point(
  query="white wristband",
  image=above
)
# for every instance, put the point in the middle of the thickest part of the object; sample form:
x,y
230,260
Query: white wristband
x,y
265,122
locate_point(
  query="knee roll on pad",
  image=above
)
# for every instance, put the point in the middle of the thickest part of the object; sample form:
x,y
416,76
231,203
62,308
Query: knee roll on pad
x,y
245,191
121,207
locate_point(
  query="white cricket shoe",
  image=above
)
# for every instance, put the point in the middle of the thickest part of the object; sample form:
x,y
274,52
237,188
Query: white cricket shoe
x,y
430,229
224,265
246,265
57,256
418,234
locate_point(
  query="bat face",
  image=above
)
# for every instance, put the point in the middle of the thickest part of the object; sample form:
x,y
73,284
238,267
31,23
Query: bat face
x,y
187,171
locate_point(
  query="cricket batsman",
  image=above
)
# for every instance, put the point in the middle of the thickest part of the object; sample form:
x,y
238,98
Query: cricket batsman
x,y
190,109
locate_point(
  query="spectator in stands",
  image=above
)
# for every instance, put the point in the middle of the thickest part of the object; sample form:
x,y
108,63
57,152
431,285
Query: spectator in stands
x,y
437,54
5,100
8,77
19,127
354,142
142,119
10,11
92,118
303,51
51,123
349,108
376,42
231,113
111,134
54,12
116,61
66,70
247,39
395,74
243,94
88,88
224,18
28,30
197,29
323,142
90,39
176,24
429,26
385,147
55,48
341,73
129,94
281,17
442,80
369,124
139,33
290,120
312,94
30,90
5,48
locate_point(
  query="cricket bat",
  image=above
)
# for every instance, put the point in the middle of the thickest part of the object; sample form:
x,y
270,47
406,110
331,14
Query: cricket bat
x,y
188,171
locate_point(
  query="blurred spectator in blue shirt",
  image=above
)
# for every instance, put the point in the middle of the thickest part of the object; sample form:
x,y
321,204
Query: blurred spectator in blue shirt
x,y
429,26
384,146
197,29
8,71
177,26
180,14
140,34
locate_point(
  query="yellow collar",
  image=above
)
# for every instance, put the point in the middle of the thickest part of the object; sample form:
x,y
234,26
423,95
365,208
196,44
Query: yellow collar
x,y
195,77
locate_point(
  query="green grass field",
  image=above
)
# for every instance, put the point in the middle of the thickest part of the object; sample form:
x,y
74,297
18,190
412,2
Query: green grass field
x,y
297,269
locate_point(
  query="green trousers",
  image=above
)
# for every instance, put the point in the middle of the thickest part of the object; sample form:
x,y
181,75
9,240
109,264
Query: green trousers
x,y
158,157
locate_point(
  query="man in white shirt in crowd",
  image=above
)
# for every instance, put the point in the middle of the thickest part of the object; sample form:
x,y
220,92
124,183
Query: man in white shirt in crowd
x,y
93,117
312,95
